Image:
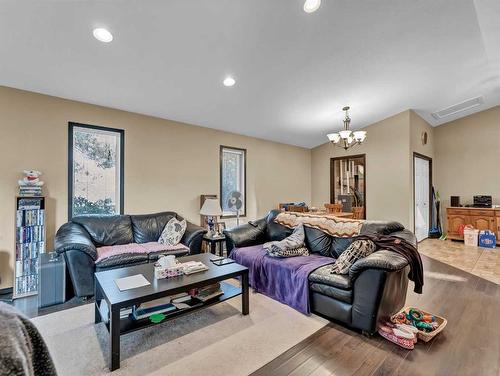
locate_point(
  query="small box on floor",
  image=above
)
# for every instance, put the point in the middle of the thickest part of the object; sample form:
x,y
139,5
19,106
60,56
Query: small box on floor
x,y
471,236
487,239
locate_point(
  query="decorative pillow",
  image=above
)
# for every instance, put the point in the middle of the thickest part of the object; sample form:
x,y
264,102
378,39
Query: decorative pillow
x,y
357,250
339,245
173,232
289,247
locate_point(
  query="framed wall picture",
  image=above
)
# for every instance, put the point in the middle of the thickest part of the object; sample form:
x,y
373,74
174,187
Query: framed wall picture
x,y
95,170
233,181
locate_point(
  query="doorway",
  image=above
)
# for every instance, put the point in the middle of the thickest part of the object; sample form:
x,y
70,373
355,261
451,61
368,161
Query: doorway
x,y
348,184
422,195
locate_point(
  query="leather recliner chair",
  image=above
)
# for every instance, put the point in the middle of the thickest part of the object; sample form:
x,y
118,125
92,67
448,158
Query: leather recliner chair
x,y
374,288
78,241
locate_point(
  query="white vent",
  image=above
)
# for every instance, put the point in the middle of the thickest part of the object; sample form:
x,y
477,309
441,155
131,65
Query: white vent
x,y
456,108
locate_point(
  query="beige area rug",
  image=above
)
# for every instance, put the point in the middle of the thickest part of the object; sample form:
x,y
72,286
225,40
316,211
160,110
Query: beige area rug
x,y
215,341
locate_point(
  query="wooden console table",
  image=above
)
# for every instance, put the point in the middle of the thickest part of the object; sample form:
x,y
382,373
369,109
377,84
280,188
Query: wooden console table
x,y
479,218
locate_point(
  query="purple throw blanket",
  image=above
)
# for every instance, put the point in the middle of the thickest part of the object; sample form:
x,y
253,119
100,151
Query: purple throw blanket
x,y
283,279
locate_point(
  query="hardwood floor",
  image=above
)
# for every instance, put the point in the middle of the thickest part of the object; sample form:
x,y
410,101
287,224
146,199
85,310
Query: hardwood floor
x,y
469,345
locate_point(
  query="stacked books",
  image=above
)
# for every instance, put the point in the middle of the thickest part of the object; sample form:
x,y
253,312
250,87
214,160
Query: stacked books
x,y
30,190
191,267
161,305
208,292
156,306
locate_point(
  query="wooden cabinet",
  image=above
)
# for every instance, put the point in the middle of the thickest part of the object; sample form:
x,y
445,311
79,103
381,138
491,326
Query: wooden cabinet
x,y
497,213
480,218
455,222
483,223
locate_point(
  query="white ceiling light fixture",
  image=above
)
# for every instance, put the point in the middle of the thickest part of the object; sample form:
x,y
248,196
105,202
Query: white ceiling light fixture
x,y
346,138
102,35
229,81
311,6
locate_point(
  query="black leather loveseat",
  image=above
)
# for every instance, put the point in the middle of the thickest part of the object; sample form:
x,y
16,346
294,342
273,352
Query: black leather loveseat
x,y
374,288
79,238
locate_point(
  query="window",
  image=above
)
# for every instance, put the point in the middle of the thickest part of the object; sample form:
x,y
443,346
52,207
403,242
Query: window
x,y
233,181
95,170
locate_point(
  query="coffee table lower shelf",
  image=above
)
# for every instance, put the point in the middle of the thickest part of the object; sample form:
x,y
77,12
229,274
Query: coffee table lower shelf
x,y
129,324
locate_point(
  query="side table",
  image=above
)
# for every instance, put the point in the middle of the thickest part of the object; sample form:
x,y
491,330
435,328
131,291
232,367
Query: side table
x,y
215,241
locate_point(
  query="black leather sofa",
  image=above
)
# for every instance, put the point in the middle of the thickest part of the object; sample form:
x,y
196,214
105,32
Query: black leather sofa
x,y
79,238
374,288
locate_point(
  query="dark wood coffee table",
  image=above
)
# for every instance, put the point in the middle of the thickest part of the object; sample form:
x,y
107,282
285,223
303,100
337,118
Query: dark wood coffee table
x,y
106,290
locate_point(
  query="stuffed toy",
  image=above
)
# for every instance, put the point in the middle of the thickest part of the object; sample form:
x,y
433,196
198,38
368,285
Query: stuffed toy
x,y
32,178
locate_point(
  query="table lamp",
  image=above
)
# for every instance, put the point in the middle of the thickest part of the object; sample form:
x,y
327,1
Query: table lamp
x,y
211,209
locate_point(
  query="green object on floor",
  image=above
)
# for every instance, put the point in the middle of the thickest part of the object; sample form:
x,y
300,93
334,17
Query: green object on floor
x,y
157,317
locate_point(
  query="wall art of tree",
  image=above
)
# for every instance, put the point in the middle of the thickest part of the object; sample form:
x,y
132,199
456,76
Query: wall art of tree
x,y
91,148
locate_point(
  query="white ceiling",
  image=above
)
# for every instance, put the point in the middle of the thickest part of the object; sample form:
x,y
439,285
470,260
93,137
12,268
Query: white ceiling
x,y
294,71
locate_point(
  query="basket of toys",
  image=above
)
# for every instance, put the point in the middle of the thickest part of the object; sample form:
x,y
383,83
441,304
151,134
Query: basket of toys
x,y
428,325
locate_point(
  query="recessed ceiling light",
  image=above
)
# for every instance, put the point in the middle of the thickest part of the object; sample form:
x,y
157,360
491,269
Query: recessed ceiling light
x,y
102,35
311,5
229,81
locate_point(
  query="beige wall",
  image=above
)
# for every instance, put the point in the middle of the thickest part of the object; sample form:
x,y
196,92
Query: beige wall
x,y
387,149
468,157
167,164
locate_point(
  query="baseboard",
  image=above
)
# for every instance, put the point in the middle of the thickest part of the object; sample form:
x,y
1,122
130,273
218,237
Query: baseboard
x,y
6,291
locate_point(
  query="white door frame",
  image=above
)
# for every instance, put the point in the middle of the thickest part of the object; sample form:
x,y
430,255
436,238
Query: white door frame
x,y
429,159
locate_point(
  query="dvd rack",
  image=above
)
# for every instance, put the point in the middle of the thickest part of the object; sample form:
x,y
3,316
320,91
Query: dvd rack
x,y
30,242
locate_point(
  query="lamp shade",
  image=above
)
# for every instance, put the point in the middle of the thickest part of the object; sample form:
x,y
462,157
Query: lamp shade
x,y
359,135
333,137
211,207
344,135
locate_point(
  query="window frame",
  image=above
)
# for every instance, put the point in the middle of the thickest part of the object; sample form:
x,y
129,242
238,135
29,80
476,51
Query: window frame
x,y
221,153
71,126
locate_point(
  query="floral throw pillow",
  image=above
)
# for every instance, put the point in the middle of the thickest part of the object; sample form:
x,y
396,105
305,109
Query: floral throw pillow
x,y
173,232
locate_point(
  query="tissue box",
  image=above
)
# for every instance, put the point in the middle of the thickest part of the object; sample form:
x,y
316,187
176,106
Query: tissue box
x,y
487,239
168,271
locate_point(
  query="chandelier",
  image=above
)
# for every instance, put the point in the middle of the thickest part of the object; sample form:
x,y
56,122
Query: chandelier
x,y
346,138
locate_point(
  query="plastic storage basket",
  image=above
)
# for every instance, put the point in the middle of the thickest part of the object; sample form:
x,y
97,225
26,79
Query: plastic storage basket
x,y
471,236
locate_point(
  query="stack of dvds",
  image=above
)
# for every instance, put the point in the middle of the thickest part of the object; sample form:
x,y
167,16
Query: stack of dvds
x,y
30,190
30,242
